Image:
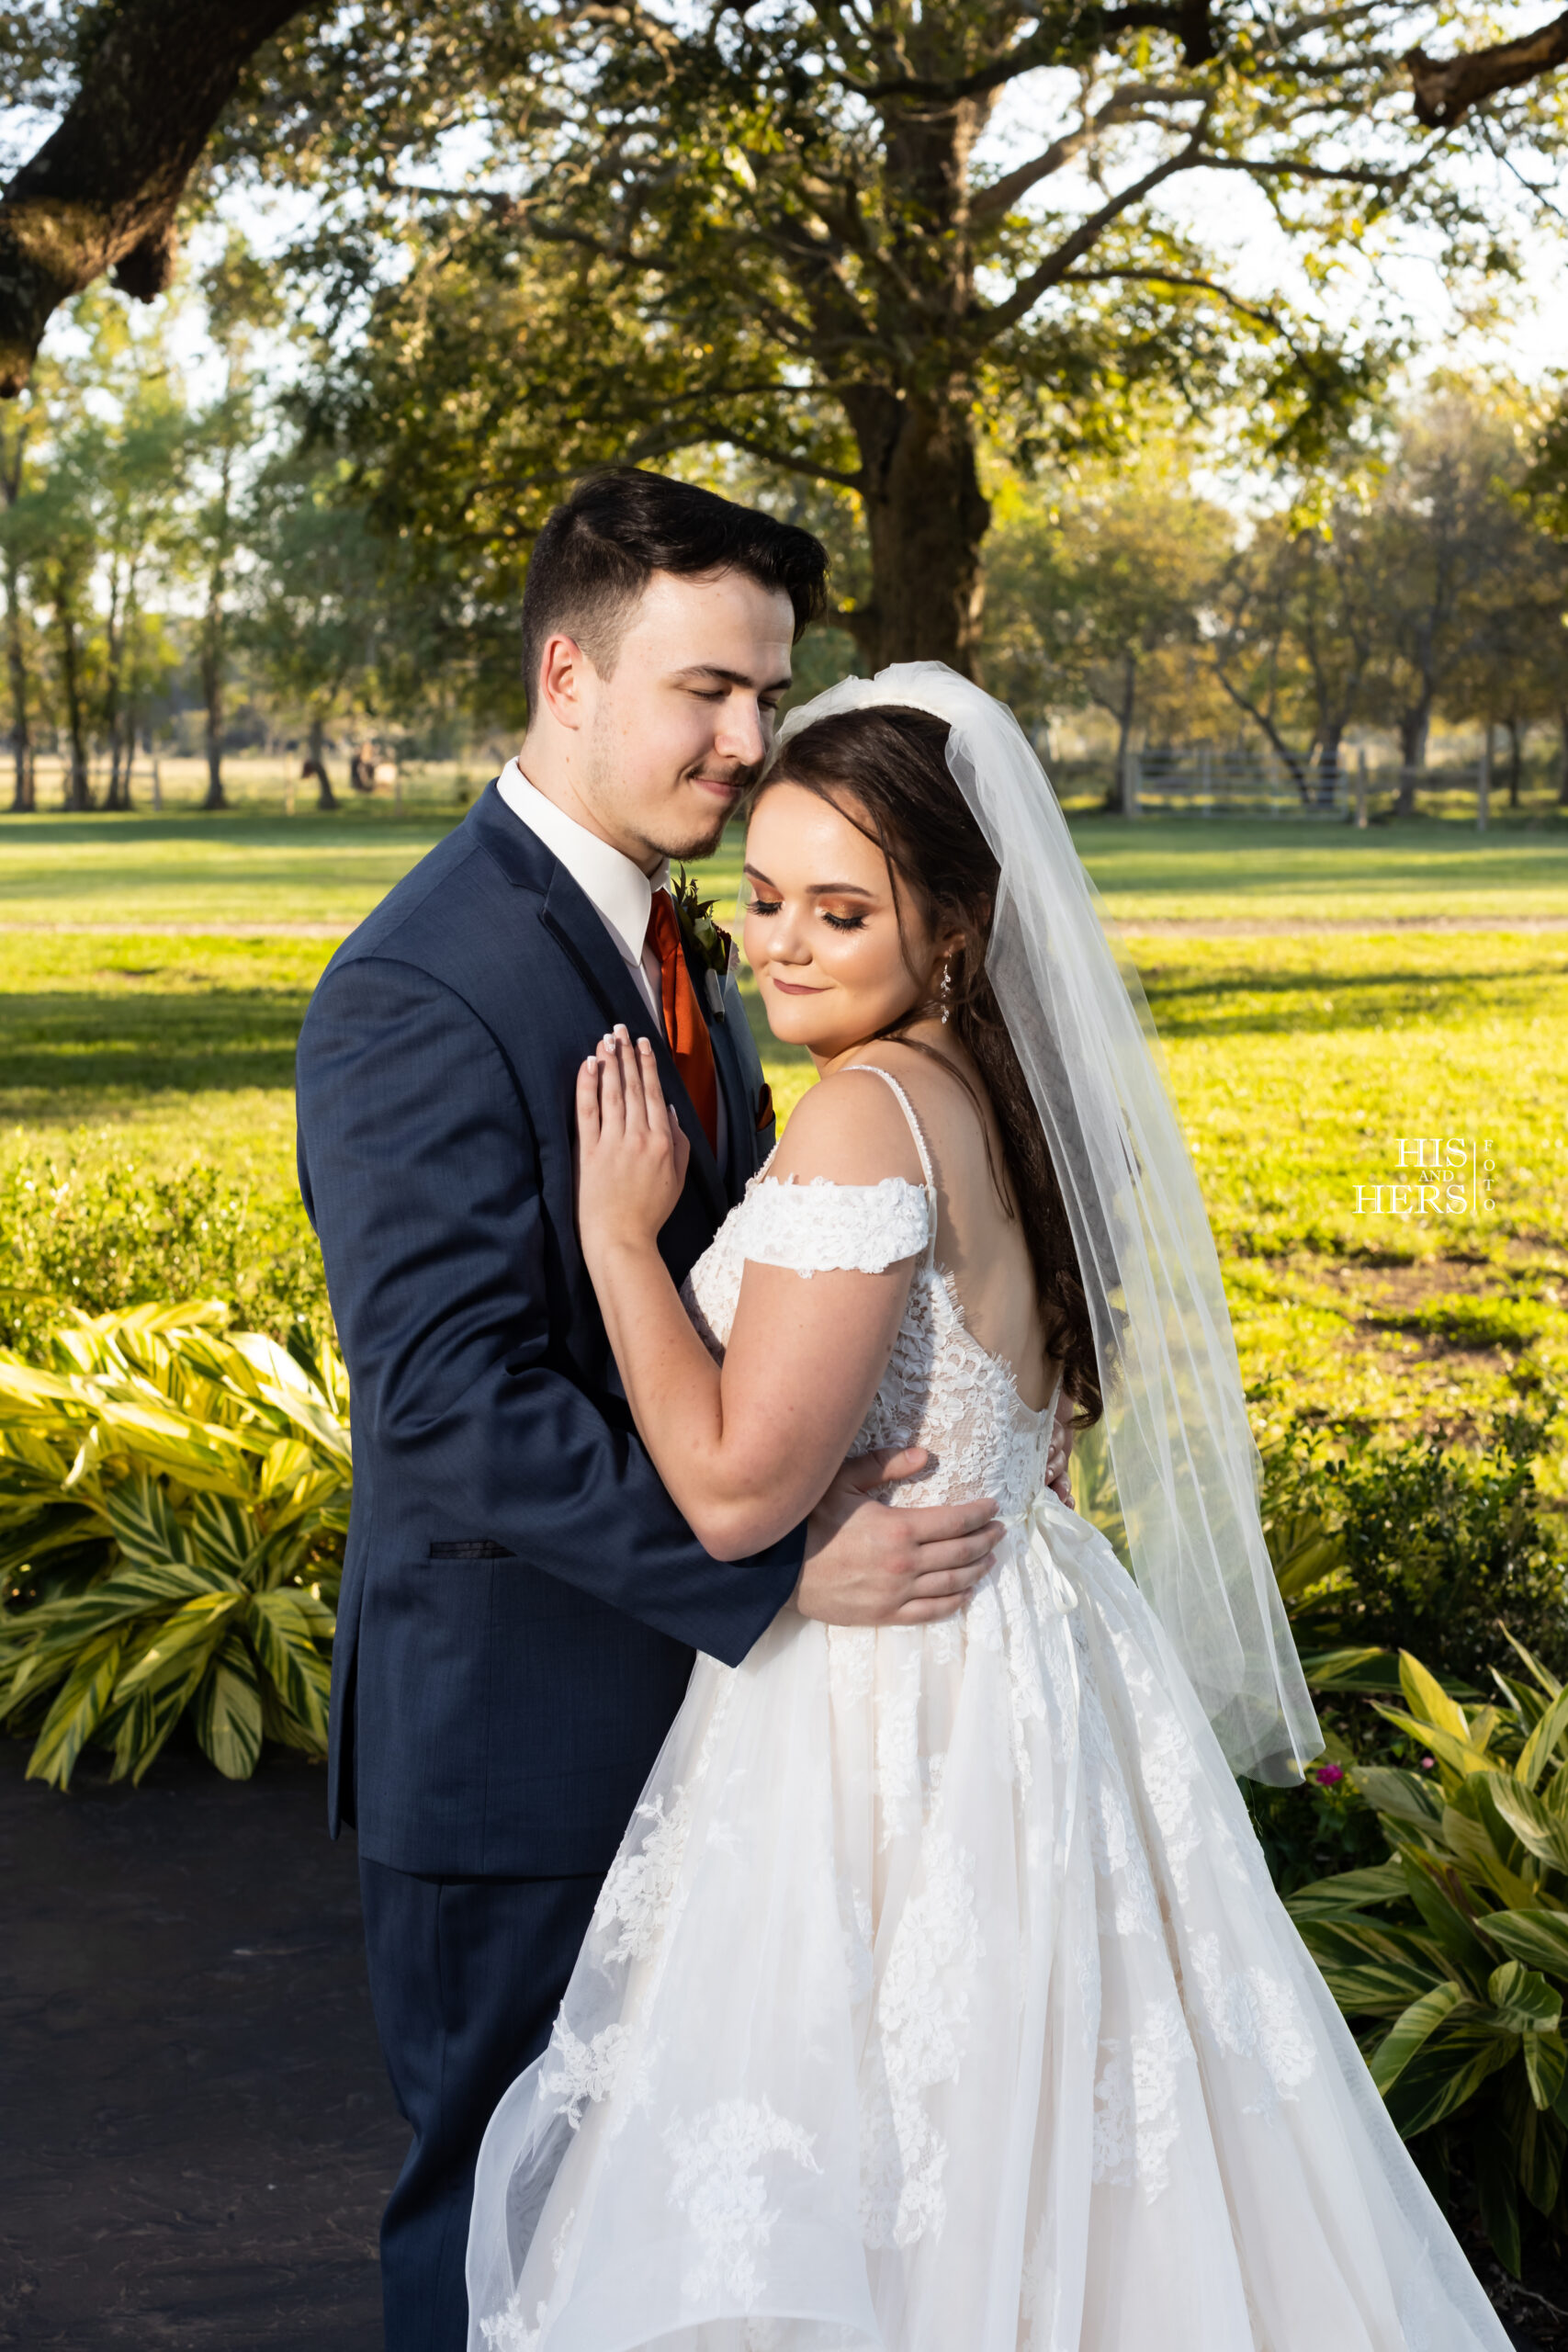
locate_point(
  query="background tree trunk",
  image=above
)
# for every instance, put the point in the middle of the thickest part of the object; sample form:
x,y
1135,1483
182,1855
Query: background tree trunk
x,y
1328,764
1413,728
212,695
116,648
1516,761
23,800
78,788
316,764
926,516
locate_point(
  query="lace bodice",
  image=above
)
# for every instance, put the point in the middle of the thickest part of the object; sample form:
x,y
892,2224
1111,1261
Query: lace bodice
x,y
942,1389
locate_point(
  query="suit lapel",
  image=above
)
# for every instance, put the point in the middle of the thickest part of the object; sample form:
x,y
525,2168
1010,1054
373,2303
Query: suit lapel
x,y
738,1110
573,922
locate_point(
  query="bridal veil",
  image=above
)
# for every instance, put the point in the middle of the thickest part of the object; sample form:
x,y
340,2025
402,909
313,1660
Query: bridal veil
x,y
1181,1455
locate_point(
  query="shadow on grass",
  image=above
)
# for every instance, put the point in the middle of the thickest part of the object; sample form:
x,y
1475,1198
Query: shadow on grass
x,y
1252,1000
77,1046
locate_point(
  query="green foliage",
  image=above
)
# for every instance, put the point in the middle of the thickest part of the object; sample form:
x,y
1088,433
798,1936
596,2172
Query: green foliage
x,y
1450,1957
173,1502
114,1234
1417,1547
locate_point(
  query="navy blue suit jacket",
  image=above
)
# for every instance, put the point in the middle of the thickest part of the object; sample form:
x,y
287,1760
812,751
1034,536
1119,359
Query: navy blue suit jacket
x,y
521,1599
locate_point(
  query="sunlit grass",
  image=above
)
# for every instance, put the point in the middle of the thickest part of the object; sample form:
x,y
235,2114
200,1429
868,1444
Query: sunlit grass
x,y
1297,1061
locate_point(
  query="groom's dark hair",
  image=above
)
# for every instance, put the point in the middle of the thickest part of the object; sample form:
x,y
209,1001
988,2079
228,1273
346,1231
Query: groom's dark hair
x,y
597,553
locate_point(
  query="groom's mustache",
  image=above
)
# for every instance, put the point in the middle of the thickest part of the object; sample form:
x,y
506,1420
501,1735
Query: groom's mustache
x,y
731,779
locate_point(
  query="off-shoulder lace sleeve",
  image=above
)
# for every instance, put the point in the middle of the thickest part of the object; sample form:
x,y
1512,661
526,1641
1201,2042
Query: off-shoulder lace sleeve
x,y
823,1228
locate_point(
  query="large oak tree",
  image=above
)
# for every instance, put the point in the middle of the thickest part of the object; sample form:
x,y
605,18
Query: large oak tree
x,y
614,229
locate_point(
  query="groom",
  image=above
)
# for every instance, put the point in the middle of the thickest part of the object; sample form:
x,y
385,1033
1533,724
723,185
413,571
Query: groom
x,y
521,1601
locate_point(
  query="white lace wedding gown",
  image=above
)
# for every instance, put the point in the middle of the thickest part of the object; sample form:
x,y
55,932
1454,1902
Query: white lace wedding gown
x,y
938,1999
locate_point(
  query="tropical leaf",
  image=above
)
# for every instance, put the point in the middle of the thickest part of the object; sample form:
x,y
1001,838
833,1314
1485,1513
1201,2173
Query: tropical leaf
x,y
77,1711
1540,1831
194,1486
1523,1999
1541,1746
227,1711
1412,2029
1352,1891
1445,2073
1546,2069
1539,1939
1477,2057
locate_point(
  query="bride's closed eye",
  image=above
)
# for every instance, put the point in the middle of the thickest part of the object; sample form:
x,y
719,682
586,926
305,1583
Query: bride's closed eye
x,y
843,922
755,906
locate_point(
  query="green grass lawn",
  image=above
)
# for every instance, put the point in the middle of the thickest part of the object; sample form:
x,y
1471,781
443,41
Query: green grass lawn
x,y
146,1058
242,867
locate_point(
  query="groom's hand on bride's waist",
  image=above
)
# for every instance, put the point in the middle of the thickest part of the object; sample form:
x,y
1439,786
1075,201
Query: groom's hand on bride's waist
x,y
868,1566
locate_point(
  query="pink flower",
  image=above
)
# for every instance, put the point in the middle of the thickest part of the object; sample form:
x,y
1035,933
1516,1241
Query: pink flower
x,y
1329,1775
1429,1763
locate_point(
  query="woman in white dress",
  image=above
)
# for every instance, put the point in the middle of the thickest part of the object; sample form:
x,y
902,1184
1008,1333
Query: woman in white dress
x,y
939,1999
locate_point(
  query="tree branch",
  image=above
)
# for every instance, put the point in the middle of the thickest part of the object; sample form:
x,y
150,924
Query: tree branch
x,y
104,187
1445,89
1264,317
1096,29
1086,236
772,457
1003,194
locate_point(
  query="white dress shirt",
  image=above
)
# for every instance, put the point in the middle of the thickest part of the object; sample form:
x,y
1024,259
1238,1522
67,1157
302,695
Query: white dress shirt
x,y
615,887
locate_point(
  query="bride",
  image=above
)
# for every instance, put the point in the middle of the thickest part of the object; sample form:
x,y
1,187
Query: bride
x,y
938,1999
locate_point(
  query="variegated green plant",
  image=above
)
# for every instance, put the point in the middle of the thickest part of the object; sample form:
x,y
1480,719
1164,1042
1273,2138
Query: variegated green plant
x,y
173,1503
1452,1958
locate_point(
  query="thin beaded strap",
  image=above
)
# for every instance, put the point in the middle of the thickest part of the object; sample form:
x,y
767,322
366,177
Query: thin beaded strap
x,y
909,1110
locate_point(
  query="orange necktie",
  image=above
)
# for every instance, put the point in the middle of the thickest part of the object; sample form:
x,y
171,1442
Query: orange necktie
x,y
684,1023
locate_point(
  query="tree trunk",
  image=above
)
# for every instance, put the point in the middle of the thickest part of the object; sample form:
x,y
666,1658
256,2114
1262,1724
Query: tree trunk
x,y
1515,760
1562,753
926,516
23,797
1328,765
1125,714
78,788
316,765
212,695
1413,728
115,636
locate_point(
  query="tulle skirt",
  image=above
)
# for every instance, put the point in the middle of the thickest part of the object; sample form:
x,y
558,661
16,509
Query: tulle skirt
x,y
939,2000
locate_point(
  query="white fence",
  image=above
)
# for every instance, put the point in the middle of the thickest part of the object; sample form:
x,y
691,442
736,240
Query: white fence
x,y
1203,782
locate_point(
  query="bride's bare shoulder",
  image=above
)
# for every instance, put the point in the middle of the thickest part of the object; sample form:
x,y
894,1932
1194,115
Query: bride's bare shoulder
x,y
851,1129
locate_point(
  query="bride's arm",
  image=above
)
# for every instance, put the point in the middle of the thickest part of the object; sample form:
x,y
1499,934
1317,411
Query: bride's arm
x,y
748,1449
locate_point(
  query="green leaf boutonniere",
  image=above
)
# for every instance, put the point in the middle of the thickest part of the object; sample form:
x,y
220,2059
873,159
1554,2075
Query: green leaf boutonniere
x,y
713,944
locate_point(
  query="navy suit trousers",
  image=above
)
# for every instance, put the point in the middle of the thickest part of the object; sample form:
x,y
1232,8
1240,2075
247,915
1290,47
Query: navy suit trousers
x,y
465,1977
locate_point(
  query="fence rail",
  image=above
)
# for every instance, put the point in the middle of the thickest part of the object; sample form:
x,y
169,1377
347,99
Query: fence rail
x,y
1202,782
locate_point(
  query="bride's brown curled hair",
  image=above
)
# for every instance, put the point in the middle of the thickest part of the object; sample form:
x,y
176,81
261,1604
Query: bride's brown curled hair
x,y
886,769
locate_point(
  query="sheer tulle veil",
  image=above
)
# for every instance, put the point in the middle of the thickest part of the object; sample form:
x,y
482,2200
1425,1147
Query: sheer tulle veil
x,y
1181,1455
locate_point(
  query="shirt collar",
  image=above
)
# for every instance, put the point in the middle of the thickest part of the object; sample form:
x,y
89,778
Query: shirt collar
x,y
613,883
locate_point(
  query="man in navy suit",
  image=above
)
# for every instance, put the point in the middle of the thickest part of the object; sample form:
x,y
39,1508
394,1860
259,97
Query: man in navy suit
x,y
521,1601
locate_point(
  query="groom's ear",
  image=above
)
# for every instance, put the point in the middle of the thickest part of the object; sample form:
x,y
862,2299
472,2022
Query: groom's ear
x,y
565,672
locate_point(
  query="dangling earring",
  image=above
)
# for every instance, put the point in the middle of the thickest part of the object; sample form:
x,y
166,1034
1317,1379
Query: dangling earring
x,y
946,992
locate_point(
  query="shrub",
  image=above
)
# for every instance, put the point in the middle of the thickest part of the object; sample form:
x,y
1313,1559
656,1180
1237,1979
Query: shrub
x,y
1450,1957
1420,1548
173,1503
100,1237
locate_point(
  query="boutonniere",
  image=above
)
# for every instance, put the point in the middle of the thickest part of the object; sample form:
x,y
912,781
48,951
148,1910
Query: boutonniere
x,y
712,943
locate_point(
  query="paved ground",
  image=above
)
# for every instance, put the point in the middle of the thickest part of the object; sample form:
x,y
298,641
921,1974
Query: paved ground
x,y
196,2132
